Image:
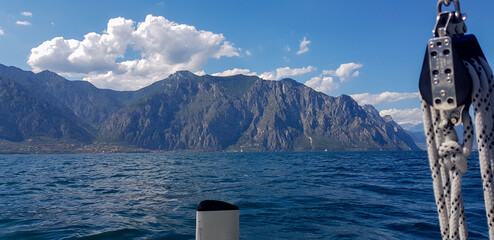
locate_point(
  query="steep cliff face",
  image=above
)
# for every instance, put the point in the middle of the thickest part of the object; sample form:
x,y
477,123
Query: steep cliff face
x,y
193,113
26,115
289,115
88,103
250,114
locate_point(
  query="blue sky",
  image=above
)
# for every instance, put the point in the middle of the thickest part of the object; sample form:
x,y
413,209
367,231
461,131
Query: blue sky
x,y
372,50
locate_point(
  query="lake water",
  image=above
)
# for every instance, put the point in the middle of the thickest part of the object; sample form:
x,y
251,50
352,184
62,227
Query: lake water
x,y
327,195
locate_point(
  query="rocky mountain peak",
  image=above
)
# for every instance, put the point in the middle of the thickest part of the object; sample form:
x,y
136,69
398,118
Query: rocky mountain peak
x,y
290,81
48,74
388,118
184,74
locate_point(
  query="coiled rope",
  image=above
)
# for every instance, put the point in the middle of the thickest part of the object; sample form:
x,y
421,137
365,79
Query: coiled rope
x,y
448,158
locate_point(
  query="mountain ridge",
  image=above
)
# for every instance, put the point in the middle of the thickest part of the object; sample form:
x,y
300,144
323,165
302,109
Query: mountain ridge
x,y
186,112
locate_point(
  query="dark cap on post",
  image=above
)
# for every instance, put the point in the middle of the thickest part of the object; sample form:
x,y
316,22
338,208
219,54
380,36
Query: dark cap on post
x,y
215,205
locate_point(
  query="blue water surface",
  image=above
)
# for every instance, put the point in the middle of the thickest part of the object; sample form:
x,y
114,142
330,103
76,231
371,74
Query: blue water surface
x,y
326,195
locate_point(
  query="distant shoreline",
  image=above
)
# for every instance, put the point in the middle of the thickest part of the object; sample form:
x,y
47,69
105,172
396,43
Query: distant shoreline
x,y
27,148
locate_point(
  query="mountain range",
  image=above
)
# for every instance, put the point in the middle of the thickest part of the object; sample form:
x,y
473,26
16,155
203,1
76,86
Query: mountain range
x,y
44,112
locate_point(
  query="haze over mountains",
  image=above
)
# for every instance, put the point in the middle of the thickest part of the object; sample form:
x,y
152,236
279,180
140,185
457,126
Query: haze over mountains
x,y
44,112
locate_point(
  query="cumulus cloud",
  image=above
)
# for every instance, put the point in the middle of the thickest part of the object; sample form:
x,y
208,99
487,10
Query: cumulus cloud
x,y
164,46
286,72
273,75
384,97
234,71
403,116
1,32
326,81
200,73
325,84
248,53
23,23
345,72
303,46
27,14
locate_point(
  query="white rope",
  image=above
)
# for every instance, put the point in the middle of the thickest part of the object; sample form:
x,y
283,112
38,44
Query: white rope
x,y
482,81
448,159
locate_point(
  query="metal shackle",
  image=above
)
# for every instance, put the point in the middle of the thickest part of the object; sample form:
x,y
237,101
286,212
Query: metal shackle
x,y
440,4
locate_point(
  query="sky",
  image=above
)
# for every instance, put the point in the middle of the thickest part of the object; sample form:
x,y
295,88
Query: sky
x,y
370,50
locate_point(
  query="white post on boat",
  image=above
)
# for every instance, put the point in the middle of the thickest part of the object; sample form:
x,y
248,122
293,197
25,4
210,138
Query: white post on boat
x,y
217,220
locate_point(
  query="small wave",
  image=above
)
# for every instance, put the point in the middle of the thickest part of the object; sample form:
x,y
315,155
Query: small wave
x,y
11,183
110,191
256,205
346,235
119,175
422,229
6,222
386,190
63,182
125,233
32,188
29,234
424,226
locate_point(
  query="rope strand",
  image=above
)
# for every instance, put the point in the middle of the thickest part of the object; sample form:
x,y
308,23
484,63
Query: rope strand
x,y
481,101
448,159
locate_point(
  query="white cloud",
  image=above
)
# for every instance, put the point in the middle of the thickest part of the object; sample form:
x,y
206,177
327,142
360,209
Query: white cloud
x,y
286,72
164,46
413,116
324,85
27,14
345,72
1,32
384,97
303,46
23,23
273,75
234,71
248,53
200,73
